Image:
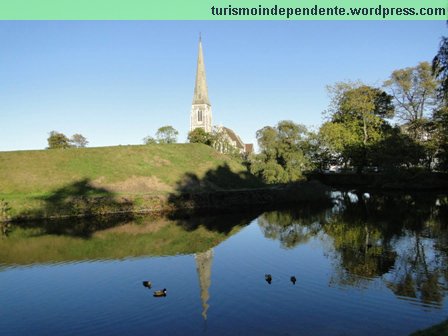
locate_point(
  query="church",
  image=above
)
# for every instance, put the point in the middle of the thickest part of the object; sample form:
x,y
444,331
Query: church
x,y
201,112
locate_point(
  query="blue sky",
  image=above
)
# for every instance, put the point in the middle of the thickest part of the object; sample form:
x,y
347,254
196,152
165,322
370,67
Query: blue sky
x,y
116,82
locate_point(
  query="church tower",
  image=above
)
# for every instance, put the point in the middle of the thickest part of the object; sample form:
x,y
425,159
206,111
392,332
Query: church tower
x,y
201,110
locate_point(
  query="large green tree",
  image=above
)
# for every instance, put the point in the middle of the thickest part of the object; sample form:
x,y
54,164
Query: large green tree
x,y
282,156
363,110
332,141
440,68
414,91
199,135
397,150
357,120
440,137
167,135
440,116
58,140
415,96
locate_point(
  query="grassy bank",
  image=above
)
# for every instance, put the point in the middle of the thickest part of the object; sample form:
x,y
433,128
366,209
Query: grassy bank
x,y
80,181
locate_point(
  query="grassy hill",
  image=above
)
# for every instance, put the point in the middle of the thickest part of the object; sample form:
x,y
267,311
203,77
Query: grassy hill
x,y
39,183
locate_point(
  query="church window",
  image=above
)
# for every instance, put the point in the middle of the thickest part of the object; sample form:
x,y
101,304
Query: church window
x,y
199,115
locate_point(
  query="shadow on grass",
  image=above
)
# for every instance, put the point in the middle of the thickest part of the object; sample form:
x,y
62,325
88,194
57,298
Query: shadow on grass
x,y
222,190
81,208
219,179
78,209
218,189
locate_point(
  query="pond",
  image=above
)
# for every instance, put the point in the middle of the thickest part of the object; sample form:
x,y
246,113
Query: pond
x,y
364,263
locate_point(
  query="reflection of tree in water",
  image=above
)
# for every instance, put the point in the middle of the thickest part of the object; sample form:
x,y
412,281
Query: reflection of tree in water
x,y
400,238
218,223
392,236
362,250
294,227
362,245
420,270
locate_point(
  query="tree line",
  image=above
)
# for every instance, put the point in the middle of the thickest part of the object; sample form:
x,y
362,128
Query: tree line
x,y
358,133
60,140
164,135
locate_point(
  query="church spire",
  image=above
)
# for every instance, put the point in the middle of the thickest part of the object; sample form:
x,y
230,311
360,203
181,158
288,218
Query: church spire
x,y
201,110
200,89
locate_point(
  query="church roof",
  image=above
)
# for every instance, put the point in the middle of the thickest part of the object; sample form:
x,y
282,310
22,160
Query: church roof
x,y
200,88
234,137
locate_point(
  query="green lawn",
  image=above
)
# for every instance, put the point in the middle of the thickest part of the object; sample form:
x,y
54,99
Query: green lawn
x,y
44,180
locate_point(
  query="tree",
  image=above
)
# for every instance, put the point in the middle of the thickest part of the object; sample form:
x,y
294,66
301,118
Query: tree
x,y
440,68
396,150
166,135
282,155
78,140
440,135
149,140
58,140
440,116
199,135
363,110
415,94
357,116
332,140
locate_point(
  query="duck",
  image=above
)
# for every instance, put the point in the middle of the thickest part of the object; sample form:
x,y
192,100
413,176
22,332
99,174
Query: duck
x,y
159,293
147,284
268,278
293,280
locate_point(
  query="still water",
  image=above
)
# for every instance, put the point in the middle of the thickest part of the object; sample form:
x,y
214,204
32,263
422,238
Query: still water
x,y
365,264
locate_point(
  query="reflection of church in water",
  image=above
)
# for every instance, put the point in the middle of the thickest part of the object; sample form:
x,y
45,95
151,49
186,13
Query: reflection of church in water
x,y
204,262
201,117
